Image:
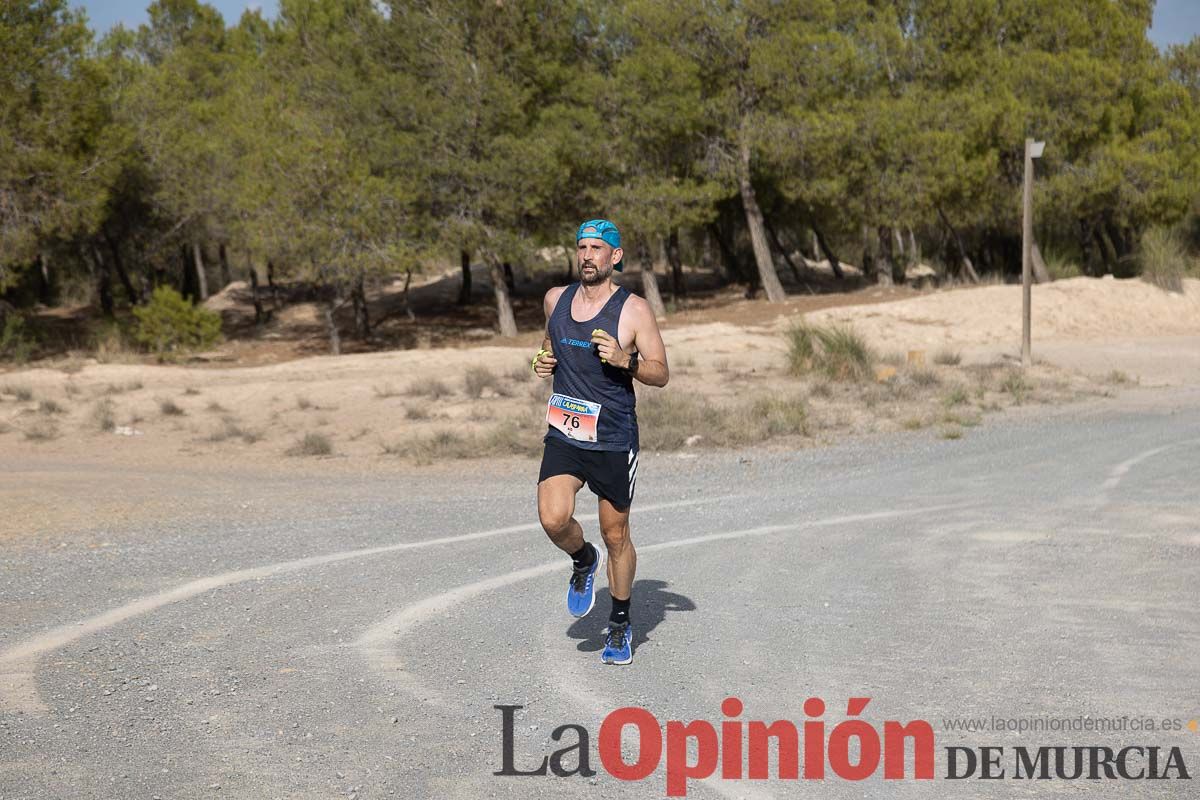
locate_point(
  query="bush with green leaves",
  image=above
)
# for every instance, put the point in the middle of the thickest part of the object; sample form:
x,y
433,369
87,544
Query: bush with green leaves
x,y
169,324
15,344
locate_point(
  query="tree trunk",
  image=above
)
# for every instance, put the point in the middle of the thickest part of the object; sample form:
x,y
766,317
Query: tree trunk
x,y
754,220
1040,273
570,274
260,316
187,276
650,282
504,309
464,290
894,267
122,274
834,264
678,286
335,341
408,312
816,247
733,269
870,267
362,318
1086,250
201,278
509,280
1118,238
967,267
45,288
226,277
782,250
914,252
272,285
706,252
103,281
1106,247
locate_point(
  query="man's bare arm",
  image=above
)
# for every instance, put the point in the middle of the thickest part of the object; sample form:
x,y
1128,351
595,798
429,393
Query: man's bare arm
x,y
651,368
544,366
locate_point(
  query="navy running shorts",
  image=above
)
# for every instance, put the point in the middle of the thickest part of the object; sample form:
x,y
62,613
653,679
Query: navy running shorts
x,y
610,474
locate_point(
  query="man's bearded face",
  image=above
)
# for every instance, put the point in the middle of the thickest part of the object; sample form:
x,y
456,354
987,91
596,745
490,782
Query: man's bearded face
x,y
595,261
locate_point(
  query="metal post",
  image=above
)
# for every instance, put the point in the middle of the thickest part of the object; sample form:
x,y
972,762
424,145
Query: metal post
x,y
1027,257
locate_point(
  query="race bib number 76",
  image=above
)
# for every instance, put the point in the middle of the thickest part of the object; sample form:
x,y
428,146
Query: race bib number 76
x,y
574,417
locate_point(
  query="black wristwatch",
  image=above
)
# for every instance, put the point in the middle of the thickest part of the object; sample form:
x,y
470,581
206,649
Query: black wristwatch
x,y
633,359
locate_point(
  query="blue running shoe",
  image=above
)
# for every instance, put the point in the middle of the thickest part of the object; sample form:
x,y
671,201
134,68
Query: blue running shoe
x,y
581,589
618,643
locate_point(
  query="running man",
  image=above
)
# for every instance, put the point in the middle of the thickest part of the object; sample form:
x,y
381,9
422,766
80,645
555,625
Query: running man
x,y
599,338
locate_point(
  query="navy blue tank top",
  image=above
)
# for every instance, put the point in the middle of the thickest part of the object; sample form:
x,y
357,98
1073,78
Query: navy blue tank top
x,y
580,374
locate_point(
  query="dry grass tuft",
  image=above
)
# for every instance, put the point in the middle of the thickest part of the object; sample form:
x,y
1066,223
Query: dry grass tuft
x,y
838,353
480,379
50,407
41,430
313,444
168,408
947,358
434,389
231,428
22,392
668,420
1015,384
104,415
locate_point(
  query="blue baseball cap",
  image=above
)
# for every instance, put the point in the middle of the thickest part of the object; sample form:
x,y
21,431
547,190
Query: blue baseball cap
x,y
602,229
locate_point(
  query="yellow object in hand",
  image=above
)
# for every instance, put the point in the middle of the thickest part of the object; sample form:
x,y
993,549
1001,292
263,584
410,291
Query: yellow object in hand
x,y
594,332
541,352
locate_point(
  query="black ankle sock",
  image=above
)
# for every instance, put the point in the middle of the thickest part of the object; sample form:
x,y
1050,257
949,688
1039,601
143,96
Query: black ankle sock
x,y
584,557
620,611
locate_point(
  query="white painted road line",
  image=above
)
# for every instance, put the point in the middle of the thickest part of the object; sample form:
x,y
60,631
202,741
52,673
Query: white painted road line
x,y
17,663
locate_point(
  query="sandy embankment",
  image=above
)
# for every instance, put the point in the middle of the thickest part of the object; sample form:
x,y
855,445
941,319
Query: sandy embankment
x,y
1087,324
365,403
369,400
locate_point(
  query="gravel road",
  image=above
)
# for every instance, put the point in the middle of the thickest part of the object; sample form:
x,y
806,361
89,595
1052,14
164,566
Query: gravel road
x,y
353,643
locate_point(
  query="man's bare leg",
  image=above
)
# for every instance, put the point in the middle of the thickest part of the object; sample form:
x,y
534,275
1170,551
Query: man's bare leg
x,y
556,509
622,558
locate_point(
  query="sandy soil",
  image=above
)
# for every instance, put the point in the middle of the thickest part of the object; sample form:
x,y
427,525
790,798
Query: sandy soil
x,y
203,420
1123,317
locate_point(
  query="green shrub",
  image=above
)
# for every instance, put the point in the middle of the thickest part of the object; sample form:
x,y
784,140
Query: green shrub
x,y
169,324
15,342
